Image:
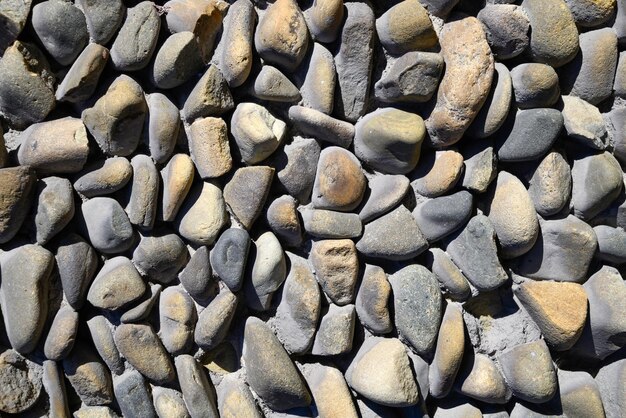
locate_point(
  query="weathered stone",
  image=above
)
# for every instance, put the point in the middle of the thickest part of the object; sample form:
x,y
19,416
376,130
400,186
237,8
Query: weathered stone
x,y
160,256
62,334
235,60
336,268
330,392
102,336
372,300
496,108
579,394
336,331
104,177
246,192
55,207
448,274
321,126
591,12
169,403
296,165
596,182
95,412
177,319
507,28
406,27
324,19
438,173
229,257
550,186
133,395
196,277
82,78
480,379
137,38
268,273
197,388
144,306
443,215
209,97
611,244
480,163
144,193
413,77
535,85
76,263
162,127
619,85
234,399
270,371
282,217
88,376
354,61
613,395
177,60
330,224
339,181
21,383
214,321
272,85
381,371
117,284
417,303
448,353
386,191
142,348
208,145
474,251
317,78
466,81
104,18
584,123
13,16
177,178
107,225
117,118
256,131
54,384
203,215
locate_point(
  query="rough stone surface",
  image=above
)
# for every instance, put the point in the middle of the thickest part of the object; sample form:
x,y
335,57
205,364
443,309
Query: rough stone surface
x,y
406,27
117,284
584,123
256,131
507,29
203,214
137,38
81,80
246,192
339,183
596,182
372,300
209,97
550,186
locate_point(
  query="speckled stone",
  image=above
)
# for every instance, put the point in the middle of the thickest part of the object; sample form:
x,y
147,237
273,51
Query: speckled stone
x,y
550,186
137,38
339,182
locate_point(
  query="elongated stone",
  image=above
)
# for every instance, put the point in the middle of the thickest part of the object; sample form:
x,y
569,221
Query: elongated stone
x,y
137,39
235,60
82,78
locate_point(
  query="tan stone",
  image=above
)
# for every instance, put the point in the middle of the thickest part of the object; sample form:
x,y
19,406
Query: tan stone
x,y
449,352
339,181
235,60
482,380
17,185
177,178
330,392
324,19
406,27
203,215
208,145
437,175
105,177
336,268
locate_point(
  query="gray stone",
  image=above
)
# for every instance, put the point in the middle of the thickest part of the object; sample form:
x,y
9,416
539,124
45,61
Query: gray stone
x,y
405,27
81,80
235,399
24,294
144,193
296,165
90,378
611,244
394,236
299,309
269,270
386,191
27,86
209,97
61,28
448,353
496,108
317,84
246,192
322,223
474,251
62,334
234,60
535,85
336,268
354,61
117,284
563,251
117,118
542,124
107,225
160,257
104,18
54,384
480,163
177,60
443,215
448,274
413,78
612,395
596,182
13,15
272,85
256,131
133,395
196,277
591,13
137,38
321,126
177,178
177,320
104,177
620,18
417,304
550,186
584,122
203,215
162,127
229,257
507,29
270,371
214,321
102,336
55,207
439,8
335,332
76,263
282,218
619,85
21,383
372,300
144,306
617,129
324,20
198,391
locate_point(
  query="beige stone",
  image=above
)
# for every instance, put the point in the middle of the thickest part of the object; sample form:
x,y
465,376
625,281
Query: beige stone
x,y
208,145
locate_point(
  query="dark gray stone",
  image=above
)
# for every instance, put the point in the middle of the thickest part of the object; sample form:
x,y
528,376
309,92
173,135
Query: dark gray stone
x,y
535,85
214,321
104,18
296,164
386,191
196,277
439,8
322,223
143,308
507,29
413,77
136,41
13,15
229,257
177,61
160,257
88,376
55,207
596,182
101,333
372,301
133,395
81,80
336,331
107,225
611,244
198,390
443,215
117,284
77,263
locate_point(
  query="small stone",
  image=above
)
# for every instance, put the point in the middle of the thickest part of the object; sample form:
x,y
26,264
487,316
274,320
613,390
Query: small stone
x,y
298,312
90,378
336,268
209,97
559,309
449,352
270,371
117,118
438,173
335,332
282,217
617,126
406,27
144,307
480,379
269,270
465,84
339,181
439,8
394,236
142,348
177,319
613,396
235,60
480,163
107,225
563,251
282,36
203,18
591,12
117,284
619,85
620,18
104,18
272,85
413,77
330,224
55,207
386,192
81,80
102,336
95,412
579,394
137,38
54,384
584,123
177,61
554,37
177,177
321,126
381,371
104,177
417,303
21,383
389,140
256,131
24,294
535,85
551,184
203,215
143,201
596,182
61,28
591,74
354,61
448,274
198,391
330,392
229,257
196,277
542,124
474,251
372,300
443,215
208,145
62,334
27,86
160,257
317,78
214,321
296,165
529,371
324,20
611,244
234,399
162,127
496,108
169,403
13,16
246,192
76,263
133,395
507,29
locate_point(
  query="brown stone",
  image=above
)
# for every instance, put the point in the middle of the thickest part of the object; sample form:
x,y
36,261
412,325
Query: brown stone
x,y
208,145
438,173
336,267
449,352
339,181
